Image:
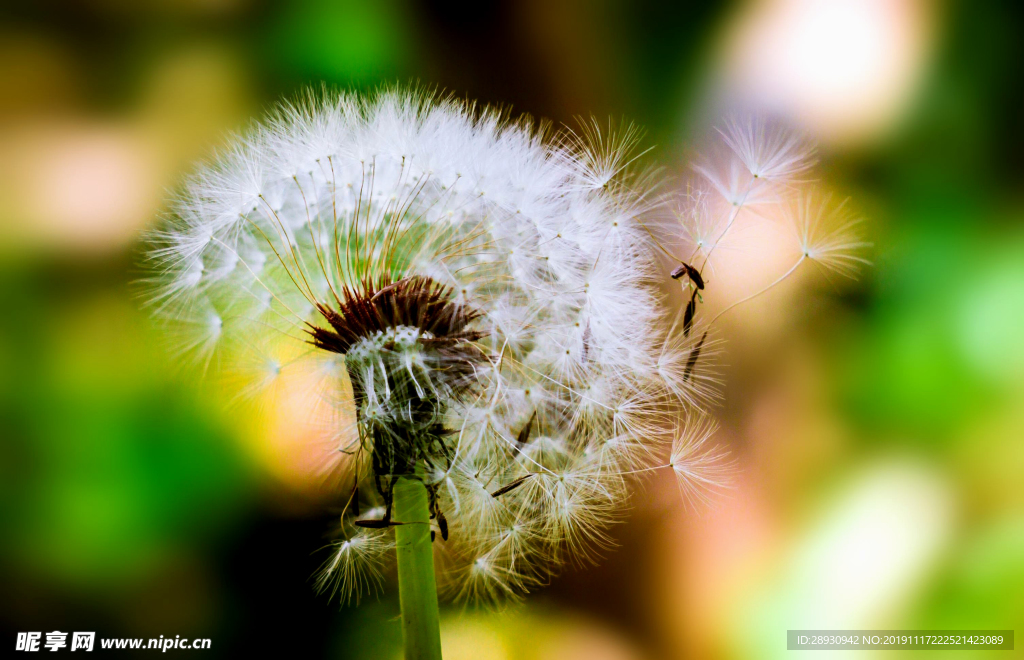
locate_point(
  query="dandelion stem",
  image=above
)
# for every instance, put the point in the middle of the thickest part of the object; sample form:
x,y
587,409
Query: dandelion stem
x,y
642,470
764,290
417,590
732,218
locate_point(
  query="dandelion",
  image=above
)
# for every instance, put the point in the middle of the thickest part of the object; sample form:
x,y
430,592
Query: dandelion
x,y
477,296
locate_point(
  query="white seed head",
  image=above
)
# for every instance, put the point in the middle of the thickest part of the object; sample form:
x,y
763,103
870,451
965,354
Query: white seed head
x,y
560,377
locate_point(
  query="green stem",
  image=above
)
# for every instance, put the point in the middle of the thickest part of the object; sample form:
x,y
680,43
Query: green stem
x,y
417,590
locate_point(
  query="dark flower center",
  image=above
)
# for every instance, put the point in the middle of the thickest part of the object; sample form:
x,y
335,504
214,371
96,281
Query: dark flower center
x,y
410,354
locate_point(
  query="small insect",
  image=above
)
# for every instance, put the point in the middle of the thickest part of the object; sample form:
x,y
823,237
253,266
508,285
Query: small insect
x,y
511,486
691,272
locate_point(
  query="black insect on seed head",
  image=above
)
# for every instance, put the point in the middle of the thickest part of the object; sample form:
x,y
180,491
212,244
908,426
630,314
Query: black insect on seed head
x,y
691,272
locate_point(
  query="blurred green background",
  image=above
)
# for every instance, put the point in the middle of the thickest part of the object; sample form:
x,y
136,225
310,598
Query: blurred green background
x,y
878,428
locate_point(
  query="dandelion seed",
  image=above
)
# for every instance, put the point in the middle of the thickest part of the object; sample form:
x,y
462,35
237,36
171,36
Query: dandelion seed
x,y
768,151
701,469
355,565
827,234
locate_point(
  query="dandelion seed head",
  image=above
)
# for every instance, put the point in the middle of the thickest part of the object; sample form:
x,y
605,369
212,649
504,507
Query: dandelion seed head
x,y
474,292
